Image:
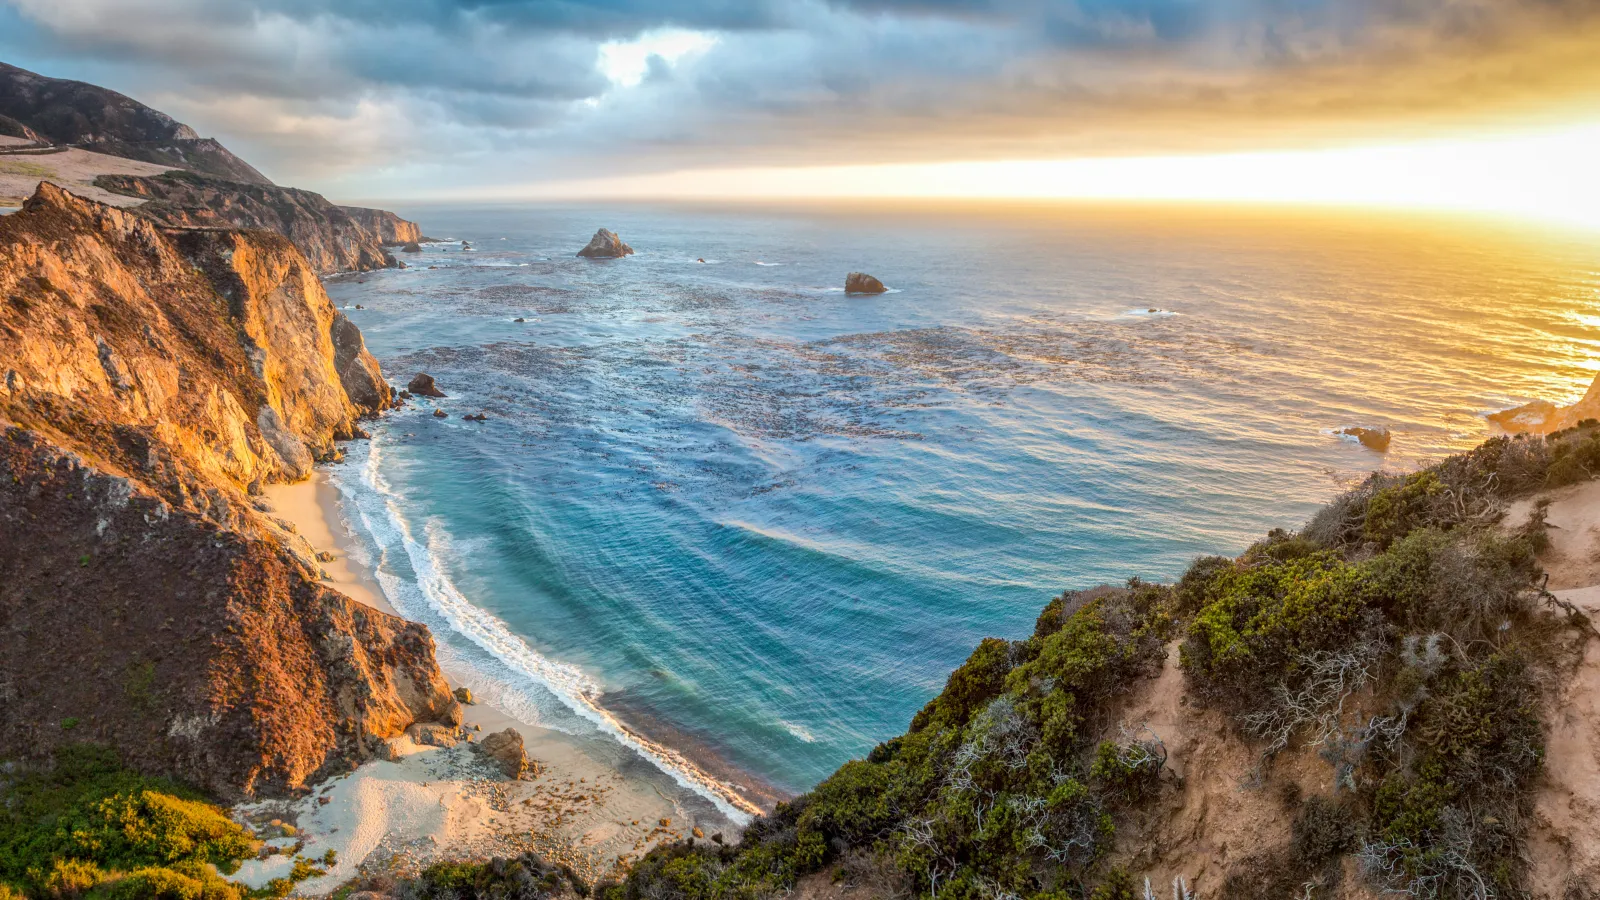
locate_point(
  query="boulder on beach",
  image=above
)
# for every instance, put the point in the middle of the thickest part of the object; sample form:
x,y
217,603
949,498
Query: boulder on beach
x,y
862,283
463,695
422,384
605,245
505,749
1371,438
429,734
411,247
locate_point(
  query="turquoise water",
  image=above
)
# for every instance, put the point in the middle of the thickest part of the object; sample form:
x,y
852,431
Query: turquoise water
x,y
724,510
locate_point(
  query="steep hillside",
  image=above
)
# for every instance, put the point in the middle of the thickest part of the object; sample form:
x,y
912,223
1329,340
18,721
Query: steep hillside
x,y
1359,709
60,111
331,237
150,383
104,142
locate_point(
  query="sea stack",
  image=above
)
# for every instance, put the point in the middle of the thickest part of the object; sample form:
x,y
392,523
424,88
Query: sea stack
x,y
1370,438
411,247
605,245
423,385
862,283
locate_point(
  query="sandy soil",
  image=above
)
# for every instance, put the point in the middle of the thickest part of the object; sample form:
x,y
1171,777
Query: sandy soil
x,y
72,169
583,809
1563,847
1573,559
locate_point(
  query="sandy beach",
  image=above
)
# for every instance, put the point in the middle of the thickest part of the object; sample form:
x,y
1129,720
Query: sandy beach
x,y
592,805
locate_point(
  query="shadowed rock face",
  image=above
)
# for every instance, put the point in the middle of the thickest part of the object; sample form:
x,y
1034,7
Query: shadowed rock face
x,y
605,245
422,384
328,235
149,383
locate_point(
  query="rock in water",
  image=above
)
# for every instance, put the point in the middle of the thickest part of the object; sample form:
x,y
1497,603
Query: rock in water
x,y
411,247
605,245
505,749
1371,438
862,283
423,384
440,414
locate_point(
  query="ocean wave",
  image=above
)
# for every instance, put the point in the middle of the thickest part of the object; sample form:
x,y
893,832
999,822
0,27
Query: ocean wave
x,y
760,263
1150,312
566,682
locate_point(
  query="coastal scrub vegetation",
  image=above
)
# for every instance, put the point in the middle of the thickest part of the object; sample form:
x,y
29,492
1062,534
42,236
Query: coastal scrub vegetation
x,y
88,827
1400,636
84,826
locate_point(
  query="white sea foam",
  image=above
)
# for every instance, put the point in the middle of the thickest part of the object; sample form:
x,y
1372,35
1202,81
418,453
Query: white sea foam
x,y
799,731
380,515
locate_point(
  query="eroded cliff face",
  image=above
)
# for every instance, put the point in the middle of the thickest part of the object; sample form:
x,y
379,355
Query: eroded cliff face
x,y
149,383
390,228
330,236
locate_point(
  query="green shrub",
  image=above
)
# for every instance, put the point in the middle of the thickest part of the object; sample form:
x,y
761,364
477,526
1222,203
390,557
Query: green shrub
x,y
88,819
187,881
1119,885
995,788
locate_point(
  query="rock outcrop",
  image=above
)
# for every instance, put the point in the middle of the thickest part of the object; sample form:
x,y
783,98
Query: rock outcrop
x,y
358,371
862,283
150,382
328,235
505,750
11,128
1371,438
422,384
59,111
1543,417
605,245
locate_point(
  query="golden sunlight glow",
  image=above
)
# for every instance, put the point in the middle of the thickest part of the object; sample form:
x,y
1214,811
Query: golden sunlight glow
x,y
1553,176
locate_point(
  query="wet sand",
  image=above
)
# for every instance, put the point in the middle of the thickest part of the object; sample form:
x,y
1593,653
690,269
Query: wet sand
x,y
593,805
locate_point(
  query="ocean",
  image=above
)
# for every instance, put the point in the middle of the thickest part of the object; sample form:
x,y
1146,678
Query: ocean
x,y
726,514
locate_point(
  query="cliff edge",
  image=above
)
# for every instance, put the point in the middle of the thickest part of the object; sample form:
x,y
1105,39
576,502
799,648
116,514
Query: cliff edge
x,y
150,382
332,238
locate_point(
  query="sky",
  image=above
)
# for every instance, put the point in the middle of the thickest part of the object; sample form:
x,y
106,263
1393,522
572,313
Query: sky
x,y
1452,103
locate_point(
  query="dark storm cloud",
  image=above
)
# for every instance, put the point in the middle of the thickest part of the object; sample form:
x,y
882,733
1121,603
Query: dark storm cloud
x,y
486,91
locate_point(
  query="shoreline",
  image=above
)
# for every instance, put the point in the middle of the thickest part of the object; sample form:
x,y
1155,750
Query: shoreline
x,y
594,805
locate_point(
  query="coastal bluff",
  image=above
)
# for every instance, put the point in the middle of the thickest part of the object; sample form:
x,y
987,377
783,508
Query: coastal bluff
x,y
151,381
333,238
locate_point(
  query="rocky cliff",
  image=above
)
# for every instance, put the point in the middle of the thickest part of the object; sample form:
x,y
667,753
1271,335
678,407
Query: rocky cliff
x,y
390,228
1544,417
150,382
331,237
59,111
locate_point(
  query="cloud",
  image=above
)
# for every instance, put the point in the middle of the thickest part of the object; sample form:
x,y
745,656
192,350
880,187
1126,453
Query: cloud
x,y
378,98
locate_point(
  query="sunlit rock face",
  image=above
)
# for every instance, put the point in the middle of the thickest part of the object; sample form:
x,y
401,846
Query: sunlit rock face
x,y
150,382
862,283
331,237
605,245
1544,417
